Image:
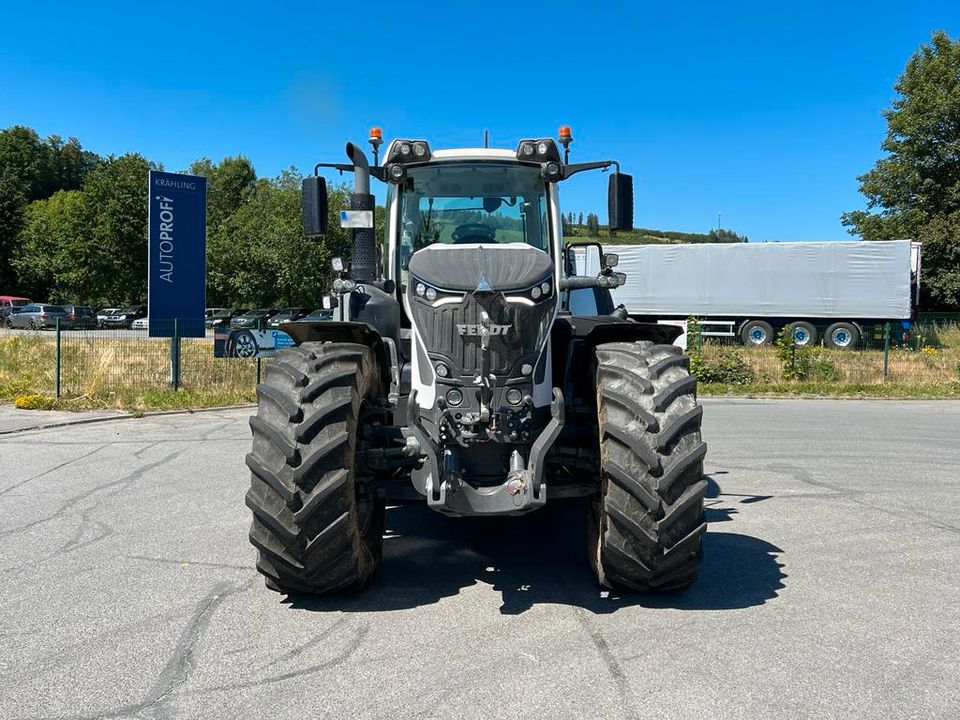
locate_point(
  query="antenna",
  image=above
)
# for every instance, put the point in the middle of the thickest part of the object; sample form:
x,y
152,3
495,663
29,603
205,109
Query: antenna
x,y
486,138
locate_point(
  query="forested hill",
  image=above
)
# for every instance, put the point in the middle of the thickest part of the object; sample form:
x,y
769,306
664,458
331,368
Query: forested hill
x,y
588,226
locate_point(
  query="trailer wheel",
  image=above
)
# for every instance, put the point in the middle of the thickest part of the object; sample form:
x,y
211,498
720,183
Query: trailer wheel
x,y
804,334
314,526
756,333
646,526
842,336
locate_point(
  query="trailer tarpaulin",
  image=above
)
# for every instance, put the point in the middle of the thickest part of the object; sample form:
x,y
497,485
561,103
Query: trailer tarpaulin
x,y
805,280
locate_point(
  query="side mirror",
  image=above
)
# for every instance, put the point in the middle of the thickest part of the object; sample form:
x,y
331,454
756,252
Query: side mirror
x,y
313,203
620,202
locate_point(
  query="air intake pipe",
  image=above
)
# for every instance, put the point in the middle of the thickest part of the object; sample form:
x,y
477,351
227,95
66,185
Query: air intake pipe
x,y
363,258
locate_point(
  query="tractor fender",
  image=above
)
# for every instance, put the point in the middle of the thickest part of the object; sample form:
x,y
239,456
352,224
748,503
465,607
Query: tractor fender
x,y
347,332
597,330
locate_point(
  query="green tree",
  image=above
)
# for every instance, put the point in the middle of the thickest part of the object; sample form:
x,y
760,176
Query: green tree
x,y
70,163
593,225
227,181
725,236
32,169
57,257
258,254
914,190
116,193
25,175
580,221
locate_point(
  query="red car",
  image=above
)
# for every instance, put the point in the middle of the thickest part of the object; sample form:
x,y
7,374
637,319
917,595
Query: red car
x,y
8,304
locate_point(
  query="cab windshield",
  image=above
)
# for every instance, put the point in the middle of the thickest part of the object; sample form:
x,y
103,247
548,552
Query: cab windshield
x,y
464,203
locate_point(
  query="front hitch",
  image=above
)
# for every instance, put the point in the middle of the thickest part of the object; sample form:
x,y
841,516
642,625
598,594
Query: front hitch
x,y
523,489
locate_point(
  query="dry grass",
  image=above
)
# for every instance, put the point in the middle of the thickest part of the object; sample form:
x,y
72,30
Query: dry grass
x,y
133,372
128,373
930,370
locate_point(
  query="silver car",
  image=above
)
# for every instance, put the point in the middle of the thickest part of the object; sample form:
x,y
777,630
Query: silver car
x,y
38,315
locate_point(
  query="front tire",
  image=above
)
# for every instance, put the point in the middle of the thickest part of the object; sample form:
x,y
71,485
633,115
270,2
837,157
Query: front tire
x,y
647,524
314,526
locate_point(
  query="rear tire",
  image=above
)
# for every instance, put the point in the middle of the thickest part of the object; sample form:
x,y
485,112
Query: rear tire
x,y
756,333
842,336
316,529
804,333
647,524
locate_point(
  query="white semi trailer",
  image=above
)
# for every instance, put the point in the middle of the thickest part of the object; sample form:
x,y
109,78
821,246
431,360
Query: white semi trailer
x,y
829,291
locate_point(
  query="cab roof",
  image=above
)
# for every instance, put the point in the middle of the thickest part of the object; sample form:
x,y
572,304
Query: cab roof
x,y
474,154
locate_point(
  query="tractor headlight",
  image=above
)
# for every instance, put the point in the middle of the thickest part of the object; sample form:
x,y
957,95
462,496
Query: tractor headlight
x,y
535,292
431,294
540,150
454,396
551,171
545,288
407,151
421,289
442,370
514,396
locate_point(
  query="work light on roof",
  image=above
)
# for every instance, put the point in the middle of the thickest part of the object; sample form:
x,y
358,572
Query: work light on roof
x,y
538,150
408,151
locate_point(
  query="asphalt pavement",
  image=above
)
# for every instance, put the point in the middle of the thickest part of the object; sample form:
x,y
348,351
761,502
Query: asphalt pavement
x,y
828,588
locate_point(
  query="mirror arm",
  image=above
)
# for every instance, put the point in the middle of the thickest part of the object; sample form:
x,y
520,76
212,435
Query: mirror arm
x,y
577,282
375,172
570,170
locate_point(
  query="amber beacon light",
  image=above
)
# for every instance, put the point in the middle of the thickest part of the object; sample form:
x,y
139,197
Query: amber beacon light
x,y
565,139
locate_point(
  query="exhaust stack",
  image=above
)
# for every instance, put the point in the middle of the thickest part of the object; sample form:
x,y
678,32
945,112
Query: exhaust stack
x,y
363,257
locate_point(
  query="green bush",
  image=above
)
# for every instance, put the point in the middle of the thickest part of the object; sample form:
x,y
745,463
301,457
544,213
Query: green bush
x,y
727,368
821,367
794,359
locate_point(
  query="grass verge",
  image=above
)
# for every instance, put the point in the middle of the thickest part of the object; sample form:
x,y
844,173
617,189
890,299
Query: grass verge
x,y
129,373
132,373
891,390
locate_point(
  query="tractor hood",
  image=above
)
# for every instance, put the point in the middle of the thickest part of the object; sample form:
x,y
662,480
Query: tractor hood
x,y
463,267
458,294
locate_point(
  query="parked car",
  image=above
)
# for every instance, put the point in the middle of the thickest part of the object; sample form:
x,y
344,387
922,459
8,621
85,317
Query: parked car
x,y
79,317
6,322
223,316
102,315
318,315
8,304
253,319
140,324
124,317
210,312
37,316
288,314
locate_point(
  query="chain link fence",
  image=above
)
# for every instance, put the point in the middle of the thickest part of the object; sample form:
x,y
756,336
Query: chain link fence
x,y
110,364
926,352
125,367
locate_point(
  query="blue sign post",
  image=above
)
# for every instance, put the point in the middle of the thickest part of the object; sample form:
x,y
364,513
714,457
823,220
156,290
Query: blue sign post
x,y
177,254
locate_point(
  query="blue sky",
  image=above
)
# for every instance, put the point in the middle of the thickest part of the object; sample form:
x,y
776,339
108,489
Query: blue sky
x,y
765,112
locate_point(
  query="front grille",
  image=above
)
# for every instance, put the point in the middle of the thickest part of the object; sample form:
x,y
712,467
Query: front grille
x,y
528,328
